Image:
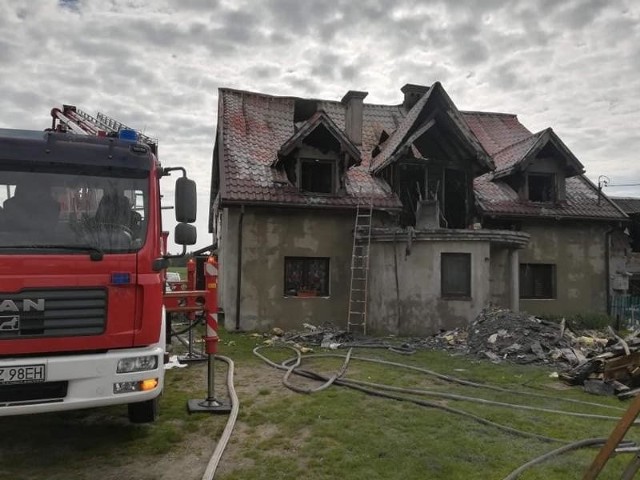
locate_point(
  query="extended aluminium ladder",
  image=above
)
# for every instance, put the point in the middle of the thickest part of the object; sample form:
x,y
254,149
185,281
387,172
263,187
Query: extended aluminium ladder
x,y
360,269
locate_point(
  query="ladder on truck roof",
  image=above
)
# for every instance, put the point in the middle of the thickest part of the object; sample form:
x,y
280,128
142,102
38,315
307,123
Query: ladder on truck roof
x,y
359,286
72,119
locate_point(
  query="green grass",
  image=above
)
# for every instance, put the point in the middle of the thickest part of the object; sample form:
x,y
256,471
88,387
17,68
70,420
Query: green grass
x,y
324,435
335,433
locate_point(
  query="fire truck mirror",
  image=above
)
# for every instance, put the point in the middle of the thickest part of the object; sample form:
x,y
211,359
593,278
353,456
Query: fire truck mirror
x,y
185,234
186,200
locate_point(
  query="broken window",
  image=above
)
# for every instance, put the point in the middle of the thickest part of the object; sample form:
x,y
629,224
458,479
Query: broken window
x,y
455,275
306,276
317,175
537,280
541,187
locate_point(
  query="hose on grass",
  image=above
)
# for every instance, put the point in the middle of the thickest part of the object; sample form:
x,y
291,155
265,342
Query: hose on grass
x,y
328,382
451,395
425,403
468,383
214,460
589,442
292,365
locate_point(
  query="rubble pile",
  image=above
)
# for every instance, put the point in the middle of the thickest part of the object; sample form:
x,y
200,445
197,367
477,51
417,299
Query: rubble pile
x,y
523,338
603,362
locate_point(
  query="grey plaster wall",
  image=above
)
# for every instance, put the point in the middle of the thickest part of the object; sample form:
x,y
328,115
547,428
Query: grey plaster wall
x,y
268,236
578,249
500,277
404,291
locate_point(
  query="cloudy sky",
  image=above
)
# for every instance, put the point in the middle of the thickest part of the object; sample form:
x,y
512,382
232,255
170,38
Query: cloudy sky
x,y
156,65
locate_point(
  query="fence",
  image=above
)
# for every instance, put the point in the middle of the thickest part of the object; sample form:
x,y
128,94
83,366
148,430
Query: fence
x,y
625,309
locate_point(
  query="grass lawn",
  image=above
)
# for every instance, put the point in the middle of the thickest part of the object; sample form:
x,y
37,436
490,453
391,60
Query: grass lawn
x,y
335,433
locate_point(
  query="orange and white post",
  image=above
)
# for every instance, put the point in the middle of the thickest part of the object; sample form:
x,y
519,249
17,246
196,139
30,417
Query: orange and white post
x,y
210,404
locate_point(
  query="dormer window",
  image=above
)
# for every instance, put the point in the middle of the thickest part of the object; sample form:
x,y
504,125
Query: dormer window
x,y
541,187
317,176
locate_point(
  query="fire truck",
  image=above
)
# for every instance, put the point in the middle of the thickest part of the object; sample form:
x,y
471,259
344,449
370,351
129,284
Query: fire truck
x,y
83,258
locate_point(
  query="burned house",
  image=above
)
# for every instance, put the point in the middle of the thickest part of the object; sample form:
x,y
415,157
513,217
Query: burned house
x,y
468,209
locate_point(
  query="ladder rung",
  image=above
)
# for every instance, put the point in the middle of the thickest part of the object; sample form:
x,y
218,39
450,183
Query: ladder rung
x,y
356,313
358,290
358,301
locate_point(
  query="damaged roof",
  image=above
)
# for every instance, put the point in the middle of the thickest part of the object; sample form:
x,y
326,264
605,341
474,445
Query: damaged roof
x,y
253,129
256,130
629,205
513,147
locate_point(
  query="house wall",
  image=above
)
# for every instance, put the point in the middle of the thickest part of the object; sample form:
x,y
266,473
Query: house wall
x,y
404,290
268,235
500,277
578,249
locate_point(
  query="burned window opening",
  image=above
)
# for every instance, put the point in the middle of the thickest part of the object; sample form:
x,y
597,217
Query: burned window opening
x,y
306,276
455,198
304,109
634,232
537,281
431,183
317,175
541,187
410,189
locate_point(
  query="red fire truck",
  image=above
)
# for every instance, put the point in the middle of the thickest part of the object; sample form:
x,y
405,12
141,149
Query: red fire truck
x,y
82,266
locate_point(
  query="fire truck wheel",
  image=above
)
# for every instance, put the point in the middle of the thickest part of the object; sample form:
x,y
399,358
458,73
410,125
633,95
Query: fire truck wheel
x,y
143,412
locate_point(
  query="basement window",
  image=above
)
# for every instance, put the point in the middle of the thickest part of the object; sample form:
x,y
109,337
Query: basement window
x,y
541,187
306,276
537,281
317,176
455,275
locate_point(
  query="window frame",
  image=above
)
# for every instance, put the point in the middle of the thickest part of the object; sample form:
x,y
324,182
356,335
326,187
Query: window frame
x,y
553,183
455,294
537,269
325,290
302,161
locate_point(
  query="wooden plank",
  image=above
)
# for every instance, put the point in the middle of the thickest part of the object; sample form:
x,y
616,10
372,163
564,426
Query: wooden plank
x,y
617,435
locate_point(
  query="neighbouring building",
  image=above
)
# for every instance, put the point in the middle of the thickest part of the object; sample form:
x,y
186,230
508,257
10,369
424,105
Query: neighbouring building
x,y
469,209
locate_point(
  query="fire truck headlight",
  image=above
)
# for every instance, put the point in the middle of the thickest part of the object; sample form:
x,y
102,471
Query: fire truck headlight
x,y
137,364
137,386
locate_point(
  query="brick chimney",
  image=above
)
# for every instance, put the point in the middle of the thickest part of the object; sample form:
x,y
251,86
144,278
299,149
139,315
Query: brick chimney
x,y
412,94
353,115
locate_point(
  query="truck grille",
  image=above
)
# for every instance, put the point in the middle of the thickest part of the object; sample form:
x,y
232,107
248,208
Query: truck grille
x,y
33,392
69,312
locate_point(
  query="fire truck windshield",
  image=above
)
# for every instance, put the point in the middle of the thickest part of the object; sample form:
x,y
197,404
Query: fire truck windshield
x,y
107,213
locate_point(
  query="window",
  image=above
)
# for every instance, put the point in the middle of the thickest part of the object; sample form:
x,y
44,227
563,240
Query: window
x,y
455,275
537,280
75,209
541,187
306,277
316,175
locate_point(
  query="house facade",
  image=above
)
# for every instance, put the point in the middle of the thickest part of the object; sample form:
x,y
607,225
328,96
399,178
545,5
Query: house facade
x,y
468,209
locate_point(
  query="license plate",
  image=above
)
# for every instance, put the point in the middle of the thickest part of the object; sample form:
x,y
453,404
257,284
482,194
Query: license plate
x,y
22,374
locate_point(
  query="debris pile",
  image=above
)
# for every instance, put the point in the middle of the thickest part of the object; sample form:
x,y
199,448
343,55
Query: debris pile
x,y
523,338
604,363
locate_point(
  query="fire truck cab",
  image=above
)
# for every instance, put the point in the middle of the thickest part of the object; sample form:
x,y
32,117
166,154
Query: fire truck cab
x,y
82,270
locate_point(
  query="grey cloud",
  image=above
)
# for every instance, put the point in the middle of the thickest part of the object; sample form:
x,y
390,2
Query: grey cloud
x,y
579,14
263,71
349,73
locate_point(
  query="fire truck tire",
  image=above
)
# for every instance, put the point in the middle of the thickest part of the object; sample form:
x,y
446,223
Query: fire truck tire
x,y
143,412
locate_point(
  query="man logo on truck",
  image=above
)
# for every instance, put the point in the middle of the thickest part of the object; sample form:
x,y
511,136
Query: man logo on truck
x,y
27,305
11,323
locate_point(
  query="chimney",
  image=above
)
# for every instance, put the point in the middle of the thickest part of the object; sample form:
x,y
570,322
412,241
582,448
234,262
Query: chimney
x,y
412,94
353,116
